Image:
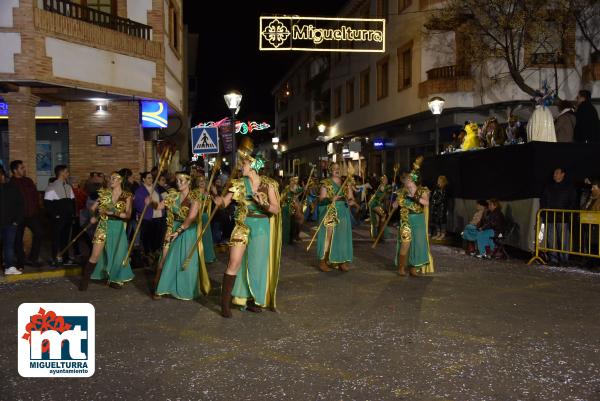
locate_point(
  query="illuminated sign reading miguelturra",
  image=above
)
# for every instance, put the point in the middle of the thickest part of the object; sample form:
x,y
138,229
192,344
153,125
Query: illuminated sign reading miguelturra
x,y
322,34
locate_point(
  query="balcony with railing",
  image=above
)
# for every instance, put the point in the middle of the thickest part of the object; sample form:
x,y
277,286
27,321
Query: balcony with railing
x,y
451,78
93,16
86,25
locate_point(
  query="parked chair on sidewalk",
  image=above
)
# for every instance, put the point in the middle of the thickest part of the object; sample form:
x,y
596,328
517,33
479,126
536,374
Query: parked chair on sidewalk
x,y
500,241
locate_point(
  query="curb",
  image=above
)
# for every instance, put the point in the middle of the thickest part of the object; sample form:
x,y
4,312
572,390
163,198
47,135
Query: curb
x,y
65,272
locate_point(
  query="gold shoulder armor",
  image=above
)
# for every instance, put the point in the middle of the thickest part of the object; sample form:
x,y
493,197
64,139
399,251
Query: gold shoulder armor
x,y
270,182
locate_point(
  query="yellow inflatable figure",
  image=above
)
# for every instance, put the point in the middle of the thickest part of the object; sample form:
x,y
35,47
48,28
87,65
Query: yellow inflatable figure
x,y
471,139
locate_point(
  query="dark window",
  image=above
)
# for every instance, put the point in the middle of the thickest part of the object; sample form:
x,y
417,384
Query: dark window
x,y
337,102
382,78
349,95
364,88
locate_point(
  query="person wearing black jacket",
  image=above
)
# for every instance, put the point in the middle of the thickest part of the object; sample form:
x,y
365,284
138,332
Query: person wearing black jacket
x,y
587,125
11,215
490,225
559,194
59,201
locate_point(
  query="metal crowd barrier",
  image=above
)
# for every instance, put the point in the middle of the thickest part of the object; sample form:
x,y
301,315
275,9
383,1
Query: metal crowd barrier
x,y
574,232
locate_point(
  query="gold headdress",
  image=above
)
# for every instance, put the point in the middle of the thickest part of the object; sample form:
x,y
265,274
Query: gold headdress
x,y
183,174
245,150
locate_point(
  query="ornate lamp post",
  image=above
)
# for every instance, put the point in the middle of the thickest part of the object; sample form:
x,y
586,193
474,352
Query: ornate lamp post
x,y
233,100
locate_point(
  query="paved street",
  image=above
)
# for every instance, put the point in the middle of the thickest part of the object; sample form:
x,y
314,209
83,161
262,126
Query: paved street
x,y
476,330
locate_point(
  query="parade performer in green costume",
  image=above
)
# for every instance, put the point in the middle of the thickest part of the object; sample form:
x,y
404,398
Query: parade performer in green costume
x,y
112,210
172,277
255,243
334,239
207,240
291,212
377,213
413,241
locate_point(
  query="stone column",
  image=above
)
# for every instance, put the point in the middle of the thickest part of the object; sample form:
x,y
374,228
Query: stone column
x,y
149,155
21,127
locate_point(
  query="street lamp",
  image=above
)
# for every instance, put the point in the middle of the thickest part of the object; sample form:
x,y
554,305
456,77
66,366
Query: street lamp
x,y
233,100
322,127
436,106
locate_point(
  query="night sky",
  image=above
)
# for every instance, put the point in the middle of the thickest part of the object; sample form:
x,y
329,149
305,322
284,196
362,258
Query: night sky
x,y
229,57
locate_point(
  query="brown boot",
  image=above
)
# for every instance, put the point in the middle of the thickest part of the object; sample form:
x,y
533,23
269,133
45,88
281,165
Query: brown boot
x,y
344,267
226,288
413,272
402,259
86,272
323,266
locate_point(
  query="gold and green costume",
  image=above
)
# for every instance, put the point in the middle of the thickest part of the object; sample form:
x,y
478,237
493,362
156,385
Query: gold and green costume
x,y
261,233
288,211
337,218
377,213
111,231
413,228
176,280
207,240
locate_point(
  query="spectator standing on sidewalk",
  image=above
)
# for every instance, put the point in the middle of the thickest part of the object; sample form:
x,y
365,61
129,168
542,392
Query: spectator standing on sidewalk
x,y
59,200
32,217
587,127
559,194
11,215
564,124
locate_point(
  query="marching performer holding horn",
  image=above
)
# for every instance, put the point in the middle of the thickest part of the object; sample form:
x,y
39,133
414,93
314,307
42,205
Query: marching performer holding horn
x,y
291,211
377,213
113,209
413,242
173,277
255,243
334,237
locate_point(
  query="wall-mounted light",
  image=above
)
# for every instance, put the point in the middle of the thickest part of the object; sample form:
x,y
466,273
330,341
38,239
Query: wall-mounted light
x,y
101,108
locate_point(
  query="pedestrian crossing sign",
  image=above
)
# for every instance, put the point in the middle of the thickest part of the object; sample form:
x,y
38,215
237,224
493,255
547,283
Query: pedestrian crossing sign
x,y
205,140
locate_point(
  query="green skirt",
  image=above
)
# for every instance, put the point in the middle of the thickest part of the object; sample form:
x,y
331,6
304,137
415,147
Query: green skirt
x,y
253,277
207,242
341,243
418,252
174,280
110,264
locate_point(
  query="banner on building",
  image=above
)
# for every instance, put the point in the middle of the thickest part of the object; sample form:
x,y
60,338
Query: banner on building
x,y
322,34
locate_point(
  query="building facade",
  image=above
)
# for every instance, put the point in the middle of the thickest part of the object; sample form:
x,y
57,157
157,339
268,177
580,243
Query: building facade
x,y
378,102
72,75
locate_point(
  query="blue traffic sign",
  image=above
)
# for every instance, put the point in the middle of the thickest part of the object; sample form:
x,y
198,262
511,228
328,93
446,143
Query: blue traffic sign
x,y
205,140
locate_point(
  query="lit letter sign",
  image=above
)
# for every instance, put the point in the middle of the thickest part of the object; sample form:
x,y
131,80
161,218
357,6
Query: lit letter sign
x,y
154,114
322,34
